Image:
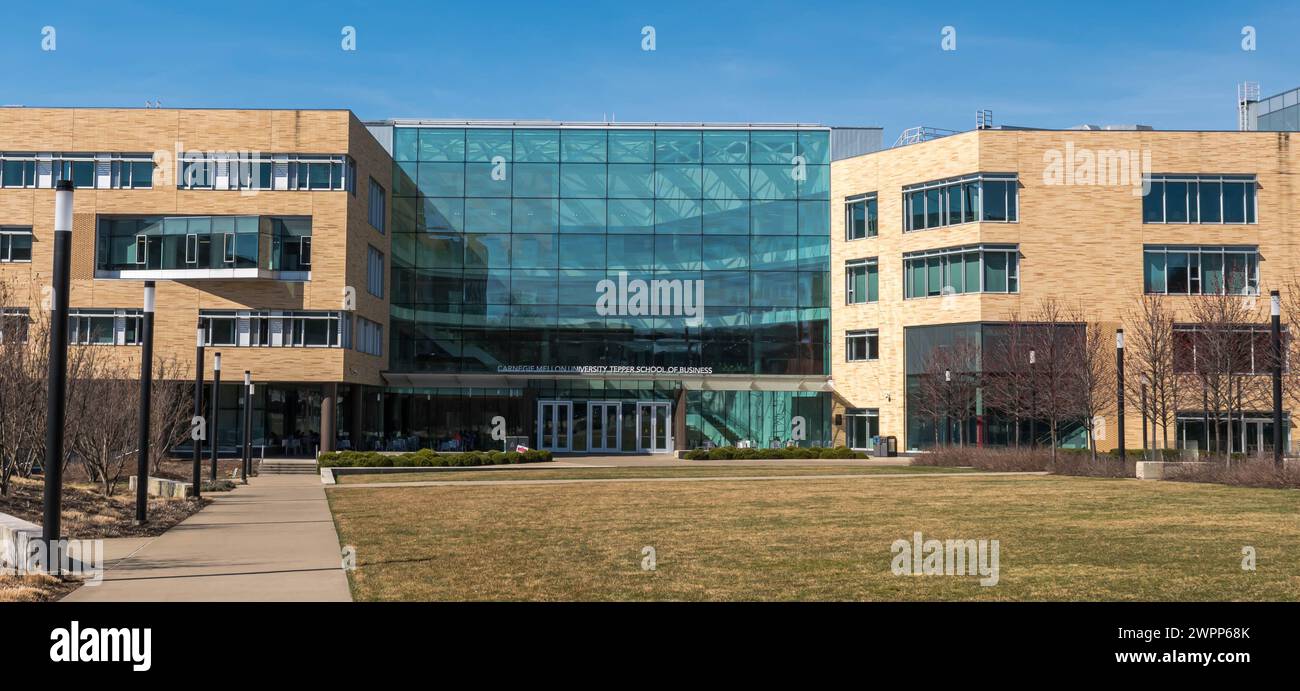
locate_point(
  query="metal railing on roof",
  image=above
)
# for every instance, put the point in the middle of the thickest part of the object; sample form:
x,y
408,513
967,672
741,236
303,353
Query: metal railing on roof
x,y
916,135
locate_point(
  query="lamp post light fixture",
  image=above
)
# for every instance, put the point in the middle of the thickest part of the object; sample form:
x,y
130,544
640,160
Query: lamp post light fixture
x,y
198,415
1119,378
146,401
1275,301
216,412
57,375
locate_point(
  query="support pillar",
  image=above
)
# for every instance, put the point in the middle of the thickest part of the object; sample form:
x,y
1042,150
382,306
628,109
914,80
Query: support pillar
x,y
328,417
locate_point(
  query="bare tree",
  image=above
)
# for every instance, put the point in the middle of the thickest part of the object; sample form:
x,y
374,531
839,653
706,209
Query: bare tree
x,y
1007,378
23,352
1094,388
1054,336
1150,348
1221,341
947,392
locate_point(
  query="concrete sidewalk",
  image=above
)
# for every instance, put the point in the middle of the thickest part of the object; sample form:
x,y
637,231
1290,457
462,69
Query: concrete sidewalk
x,y
273,540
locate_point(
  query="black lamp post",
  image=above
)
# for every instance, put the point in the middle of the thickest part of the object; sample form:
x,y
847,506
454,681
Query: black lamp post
x,y
1145,442
216,412
1276,308
57,374
1119,377
248,425
198,413
1033,399
146,399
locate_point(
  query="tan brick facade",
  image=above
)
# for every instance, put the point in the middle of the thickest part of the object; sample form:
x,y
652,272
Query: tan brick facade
x,y
340,226
1079,243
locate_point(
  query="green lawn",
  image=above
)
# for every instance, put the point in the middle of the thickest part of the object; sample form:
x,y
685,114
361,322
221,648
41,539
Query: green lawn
x,y
520,473
1061,538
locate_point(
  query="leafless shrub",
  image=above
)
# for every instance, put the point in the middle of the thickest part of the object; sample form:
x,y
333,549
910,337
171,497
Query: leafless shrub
x,y
1241,472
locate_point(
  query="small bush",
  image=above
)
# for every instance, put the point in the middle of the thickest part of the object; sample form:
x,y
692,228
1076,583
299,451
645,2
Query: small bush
x,y
731,453
1239,471
986,459
426,458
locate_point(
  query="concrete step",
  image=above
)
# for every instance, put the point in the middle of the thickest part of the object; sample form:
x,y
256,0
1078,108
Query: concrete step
x,y
289,467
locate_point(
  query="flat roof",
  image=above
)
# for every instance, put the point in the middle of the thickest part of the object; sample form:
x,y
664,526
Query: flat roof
x,y
578,124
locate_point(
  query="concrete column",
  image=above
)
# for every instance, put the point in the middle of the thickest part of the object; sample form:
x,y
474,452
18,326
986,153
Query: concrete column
x,y
328,414
355,406
679,419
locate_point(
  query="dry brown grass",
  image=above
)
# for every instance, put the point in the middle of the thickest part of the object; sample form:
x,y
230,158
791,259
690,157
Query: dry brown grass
x,y
33,588
89,515
510,473
1061,538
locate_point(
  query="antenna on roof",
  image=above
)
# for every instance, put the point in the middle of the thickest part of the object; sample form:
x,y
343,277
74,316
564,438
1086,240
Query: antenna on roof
x,y
983,119
1247,100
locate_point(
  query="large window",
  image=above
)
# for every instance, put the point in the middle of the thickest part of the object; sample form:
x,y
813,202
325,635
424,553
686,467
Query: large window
x,y
861,217
370,337
374,272
501,235
1239,349
104,326
15,244
987,197
1200,199
172,243
971,269
861,345
1194,270
288,329
258,171
377,197
861,426
862,281
85,170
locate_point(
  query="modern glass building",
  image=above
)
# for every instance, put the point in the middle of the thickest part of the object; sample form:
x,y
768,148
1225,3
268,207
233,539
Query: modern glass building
x,y
608,288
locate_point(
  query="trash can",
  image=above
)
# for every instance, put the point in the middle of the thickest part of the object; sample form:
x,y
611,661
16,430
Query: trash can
x,y
886,447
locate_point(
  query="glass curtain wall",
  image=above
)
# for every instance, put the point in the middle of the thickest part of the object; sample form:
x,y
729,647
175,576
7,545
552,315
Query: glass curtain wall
x,y
501,237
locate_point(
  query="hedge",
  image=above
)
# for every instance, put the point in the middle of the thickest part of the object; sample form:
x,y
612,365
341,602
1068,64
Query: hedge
x,y
426,458
729,453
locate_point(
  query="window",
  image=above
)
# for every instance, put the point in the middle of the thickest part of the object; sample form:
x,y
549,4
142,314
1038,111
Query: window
x,y
972,269
861,425
986,197
15,244
861,345
1193,270
861,218
862,281
13,324
104,327
376,205
375,272
85,170
1244,349
1200,199
370,337
233,328
257,171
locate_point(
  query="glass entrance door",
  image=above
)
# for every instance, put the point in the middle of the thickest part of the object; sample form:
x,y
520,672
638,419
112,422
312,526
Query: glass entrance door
x,y
654,427
604,426
555,425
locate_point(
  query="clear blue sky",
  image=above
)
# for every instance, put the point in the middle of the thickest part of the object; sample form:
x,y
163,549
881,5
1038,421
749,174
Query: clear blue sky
x,y
1171,65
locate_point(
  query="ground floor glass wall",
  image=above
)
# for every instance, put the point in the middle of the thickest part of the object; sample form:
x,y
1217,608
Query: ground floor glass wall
x,y
597,416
